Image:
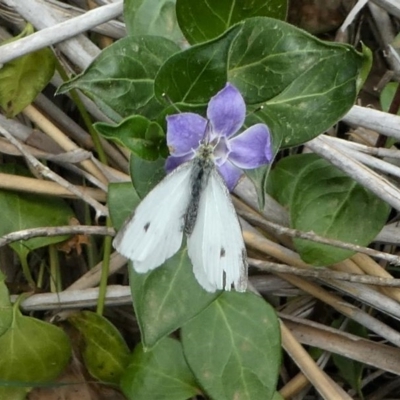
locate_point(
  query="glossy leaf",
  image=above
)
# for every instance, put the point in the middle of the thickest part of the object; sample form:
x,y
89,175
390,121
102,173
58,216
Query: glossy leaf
x,y
233,347
194,75
304,84
284,175
160,373
22,79
152,17
141,136
32,350
202,20
122,199
120,80
167,297
327,202
27,210
105,352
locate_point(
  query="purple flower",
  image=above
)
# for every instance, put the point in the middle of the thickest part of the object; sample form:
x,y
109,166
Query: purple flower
x,y
226,112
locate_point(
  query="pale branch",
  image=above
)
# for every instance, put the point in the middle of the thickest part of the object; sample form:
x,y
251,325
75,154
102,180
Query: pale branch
x,y
353,14
370,161
356,170
116,295
374,151
60,32
379,121
113,28
294,233
386,34
26,234
391,6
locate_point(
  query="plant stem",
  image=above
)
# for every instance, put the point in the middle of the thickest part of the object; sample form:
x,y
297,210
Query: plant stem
x,y
104,271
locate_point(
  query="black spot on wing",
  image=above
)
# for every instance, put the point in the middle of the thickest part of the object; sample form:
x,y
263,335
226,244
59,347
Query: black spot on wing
x,y
222,252
146,227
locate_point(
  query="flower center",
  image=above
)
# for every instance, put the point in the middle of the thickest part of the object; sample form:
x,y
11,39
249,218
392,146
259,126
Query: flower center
x,y
221,149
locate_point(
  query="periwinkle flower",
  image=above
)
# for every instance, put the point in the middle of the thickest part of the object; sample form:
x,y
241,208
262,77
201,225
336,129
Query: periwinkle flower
x,y
226,112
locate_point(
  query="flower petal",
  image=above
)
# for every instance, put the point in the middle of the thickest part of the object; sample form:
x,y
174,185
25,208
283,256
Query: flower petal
x,y
252,148
226,111
185,132
174,161
230,174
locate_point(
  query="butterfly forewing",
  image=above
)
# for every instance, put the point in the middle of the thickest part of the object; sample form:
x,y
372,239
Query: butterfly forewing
x,y
154,232
216,247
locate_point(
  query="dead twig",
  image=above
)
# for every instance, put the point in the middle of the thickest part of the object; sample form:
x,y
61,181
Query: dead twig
x,y
294,233
319,273
56,231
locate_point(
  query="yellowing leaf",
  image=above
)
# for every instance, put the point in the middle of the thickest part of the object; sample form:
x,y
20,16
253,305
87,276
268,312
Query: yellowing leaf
x,y
22,79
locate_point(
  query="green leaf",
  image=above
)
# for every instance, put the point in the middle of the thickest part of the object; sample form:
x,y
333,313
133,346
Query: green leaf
x,y
13,393
6,311
143,137
152,17
167,297
194,75
26,210
277,396
387,96
32,350
329,203
122,199
120,80
160,373
22,79
233,347
304,84
368,59
105,353
284,175
202,20
146,174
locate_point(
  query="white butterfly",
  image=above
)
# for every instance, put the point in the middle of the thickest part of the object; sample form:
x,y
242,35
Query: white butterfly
x,y
192,199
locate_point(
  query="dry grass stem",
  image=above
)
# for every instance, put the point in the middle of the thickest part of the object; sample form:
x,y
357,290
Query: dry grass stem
x,y
59,137
327,388
47,173
48,188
